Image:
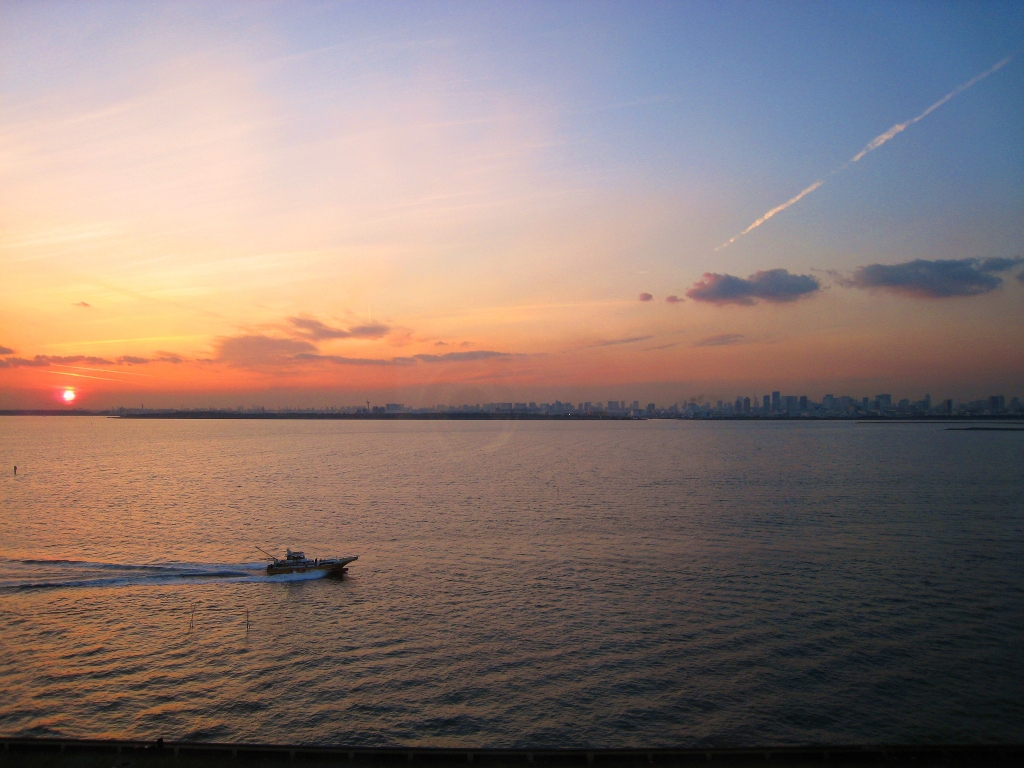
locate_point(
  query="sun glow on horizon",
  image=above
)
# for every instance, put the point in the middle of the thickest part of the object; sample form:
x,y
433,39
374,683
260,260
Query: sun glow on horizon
x,y
69,395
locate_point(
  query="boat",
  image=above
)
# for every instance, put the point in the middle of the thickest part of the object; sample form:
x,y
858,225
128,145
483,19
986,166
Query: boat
x,y
297,562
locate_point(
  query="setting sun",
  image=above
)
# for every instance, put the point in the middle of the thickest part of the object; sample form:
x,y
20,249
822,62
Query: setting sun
x,y
69,395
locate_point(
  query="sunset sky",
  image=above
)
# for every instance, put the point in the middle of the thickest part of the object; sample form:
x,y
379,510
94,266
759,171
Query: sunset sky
x,y
322,203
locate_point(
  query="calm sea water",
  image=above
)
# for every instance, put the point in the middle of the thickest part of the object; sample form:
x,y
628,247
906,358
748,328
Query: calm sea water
x,y
518,583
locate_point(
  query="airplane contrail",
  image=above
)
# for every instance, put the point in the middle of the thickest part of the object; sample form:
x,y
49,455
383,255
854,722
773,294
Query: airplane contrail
x,y
879,140
79,375
772,212
871,146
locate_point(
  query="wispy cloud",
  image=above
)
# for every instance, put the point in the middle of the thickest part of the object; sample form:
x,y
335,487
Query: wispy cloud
x,y
311,328
6,350
673,299
724,340
450,357
646,297
256,350
938,279
773,285
871,146
461,357
82,304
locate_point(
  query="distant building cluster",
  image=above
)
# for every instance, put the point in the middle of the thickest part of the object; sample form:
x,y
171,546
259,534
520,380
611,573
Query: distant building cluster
x,y
831,406
775,405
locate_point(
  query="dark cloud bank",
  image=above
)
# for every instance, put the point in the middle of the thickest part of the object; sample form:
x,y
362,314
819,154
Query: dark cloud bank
x,y
773,285
921,278
42,361
939,279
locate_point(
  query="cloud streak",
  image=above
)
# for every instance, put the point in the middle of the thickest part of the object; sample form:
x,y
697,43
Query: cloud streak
x,y
870,147
616,342
724,340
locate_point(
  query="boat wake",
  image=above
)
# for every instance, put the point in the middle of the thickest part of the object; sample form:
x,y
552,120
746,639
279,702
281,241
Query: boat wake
x,y
30,575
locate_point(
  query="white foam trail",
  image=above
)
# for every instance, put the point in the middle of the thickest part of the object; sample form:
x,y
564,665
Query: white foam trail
x,y
65,574
871,146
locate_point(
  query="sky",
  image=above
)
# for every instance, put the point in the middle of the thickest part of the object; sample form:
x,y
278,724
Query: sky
x,y
318,204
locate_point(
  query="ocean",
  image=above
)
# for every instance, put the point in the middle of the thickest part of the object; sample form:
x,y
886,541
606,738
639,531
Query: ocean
x,y
551,583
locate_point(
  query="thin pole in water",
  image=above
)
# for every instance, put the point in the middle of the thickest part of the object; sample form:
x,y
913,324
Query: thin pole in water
x,y
192,618
247,621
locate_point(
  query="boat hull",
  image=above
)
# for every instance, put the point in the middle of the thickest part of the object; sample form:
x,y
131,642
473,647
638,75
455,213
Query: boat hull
x,y
330,567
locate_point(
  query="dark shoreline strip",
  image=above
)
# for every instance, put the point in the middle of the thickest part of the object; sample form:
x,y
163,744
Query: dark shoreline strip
x,y
984,429
49,751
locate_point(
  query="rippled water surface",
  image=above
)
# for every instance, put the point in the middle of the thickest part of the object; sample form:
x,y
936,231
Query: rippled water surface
x,y
518,583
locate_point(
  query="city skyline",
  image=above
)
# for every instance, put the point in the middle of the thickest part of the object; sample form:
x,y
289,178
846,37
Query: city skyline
x,y
771,405
475,203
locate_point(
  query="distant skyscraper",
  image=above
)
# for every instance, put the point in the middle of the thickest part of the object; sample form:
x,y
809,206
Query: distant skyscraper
x,y
803,402
746,405
776,402
766,404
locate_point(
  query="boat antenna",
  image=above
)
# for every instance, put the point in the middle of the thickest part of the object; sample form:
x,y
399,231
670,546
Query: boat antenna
x,y
266,553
